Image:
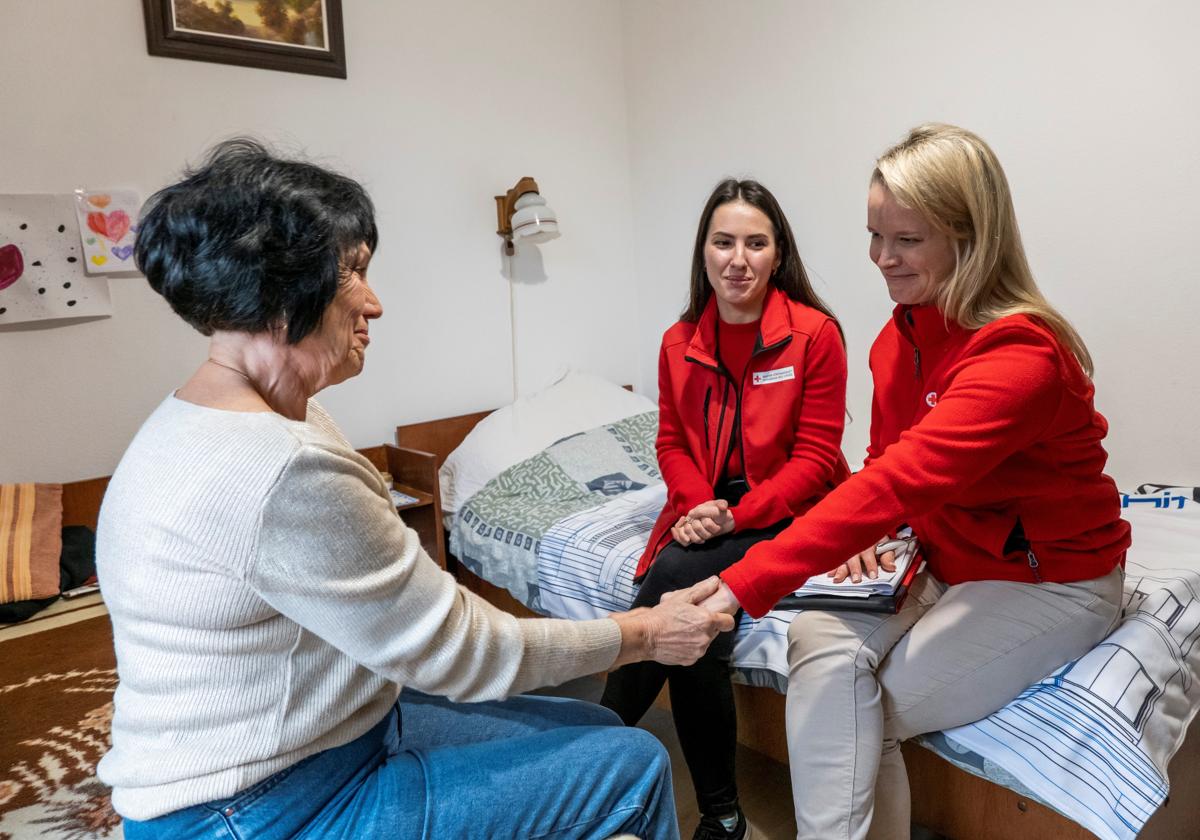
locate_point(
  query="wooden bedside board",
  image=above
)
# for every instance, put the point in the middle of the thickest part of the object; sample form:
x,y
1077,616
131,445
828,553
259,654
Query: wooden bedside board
x,y
415,473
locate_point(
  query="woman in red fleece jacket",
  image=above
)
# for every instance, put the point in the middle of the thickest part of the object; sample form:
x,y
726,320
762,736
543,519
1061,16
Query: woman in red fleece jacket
x,y
752,394
984,439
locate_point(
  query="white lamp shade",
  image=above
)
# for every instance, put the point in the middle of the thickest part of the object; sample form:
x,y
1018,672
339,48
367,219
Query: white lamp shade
x,y
533,220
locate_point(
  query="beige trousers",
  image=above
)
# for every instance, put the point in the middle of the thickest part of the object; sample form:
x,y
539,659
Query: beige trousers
x,y
861,683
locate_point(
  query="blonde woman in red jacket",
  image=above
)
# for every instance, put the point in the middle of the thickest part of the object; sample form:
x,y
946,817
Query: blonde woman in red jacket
x,y
752,393
984,439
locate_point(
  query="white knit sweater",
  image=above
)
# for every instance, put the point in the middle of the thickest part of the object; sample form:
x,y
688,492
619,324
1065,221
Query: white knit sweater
x,y
267,603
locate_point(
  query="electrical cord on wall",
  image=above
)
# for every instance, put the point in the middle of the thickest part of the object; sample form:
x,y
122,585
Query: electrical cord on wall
x,y
512,329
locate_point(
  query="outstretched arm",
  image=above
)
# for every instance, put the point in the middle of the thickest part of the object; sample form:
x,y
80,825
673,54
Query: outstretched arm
x,y
1002,396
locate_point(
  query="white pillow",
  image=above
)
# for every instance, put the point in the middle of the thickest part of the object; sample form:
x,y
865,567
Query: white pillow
x,y
576,403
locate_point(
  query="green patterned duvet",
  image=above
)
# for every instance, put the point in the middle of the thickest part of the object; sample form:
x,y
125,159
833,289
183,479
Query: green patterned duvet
x,y
501,526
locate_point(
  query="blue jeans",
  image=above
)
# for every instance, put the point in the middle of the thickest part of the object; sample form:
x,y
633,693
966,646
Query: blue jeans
x,y
527,767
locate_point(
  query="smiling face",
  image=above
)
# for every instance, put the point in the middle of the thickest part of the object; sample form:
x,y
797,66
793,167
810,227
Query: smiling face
x,y
338,345
913,256
740,255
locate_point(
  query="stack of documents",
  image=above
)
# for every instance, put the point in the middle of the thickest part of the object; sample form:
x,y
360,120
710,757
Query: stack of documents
x,y
884,593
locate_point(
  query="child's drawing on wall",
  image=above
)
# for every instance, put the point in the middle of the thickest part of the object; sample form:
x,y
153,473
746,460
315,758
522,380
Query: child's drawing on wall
x,y
107,224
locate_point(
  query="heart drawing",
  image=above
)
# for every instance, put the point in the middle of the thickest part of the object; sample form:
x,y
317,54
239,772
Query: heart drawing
x,y
112,225
99,259
12,265
122,252
100,200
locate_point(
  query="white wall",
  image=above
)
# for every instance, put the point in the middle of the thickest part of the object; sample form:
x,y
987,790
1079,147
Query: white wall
x,y
446,104
1094,108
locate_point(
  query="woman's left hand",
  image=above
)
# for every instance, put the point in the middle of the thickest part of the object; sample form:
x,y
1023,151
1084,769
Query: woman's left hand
x,y
865,562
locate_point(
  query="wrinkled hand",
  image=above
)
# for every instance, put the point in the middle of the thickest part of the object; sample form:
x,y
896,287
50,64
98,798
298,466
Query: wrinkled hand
x,y
865,562
676,632
703,522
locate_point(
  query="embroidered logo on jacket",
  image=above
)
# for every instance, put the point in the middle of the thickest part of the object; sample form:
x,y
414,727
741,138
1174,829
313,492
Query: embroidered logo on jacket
x,y
931,399
766,377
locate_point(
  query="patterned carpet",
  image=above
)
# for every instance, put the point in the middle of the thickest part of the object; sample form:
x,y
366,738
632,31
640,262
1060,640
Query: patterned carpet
x,y
56,688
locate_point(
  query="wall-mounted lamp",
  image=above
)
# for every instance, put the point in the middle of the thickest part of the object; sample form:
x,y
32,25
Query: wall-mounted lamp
x,y
522,213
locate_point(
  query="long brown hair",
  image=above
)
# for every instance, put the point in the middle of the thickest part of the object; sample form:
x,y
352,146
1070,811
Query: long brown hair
x,y
790,277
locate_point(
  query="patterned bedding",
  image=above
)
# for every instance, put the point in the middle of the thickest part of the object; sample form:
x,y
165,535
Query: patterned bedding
x,y
1091,740
498,532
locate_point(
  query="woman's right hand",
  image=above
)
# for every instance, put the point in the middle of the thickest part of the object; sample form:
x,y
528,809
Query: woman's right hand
x,y
676,632
865,562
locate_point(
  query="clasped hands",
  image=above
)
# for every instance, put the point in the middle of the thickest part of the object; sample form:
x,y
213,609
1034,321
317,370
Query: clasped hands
x,y
677,630
703,522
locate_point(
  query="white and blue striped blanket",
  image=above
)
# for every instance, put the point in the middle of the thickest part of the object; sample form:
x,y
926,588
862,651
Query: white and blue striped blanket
x,y
1093,739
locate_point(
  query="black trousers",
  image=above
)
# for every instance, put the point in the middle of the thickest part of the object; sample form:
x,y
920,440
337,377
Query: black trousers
x,y
701,693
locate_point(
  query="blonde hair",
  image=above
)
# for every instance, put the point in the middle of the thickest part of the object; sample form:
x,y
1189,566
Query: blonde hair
x,y
953,179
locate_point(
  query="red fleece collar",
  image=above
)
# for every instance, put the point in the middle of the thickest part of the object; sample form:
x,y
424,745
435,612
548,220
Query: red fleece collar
x,y
776,325
924,326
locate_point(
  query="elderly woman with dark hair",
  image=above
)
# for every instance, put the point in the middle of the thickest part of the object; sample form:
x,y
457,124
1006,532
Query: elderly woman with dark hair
x,y
268,605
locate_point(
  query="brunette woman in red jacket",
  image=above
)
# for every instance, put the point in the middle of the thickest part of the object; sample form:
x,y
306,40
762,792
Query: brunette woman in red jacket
x,y
984,439
752,395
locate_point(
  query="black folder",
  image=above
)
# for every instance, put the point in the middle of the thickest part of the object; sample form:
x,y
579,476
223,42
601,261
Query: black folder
x,y
876,603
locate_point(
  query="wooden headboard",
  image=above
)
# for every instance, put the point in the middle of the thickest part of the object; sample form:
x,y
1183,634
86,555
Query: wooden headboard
x,y
439,437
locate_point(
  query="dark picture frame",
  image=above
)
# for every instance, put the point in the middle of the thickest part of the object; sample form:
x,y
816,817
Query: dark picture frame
x,y
165,38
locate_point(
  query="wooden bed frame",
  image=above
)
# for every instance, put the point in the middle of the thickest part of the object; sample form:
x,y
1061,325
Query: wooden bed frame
x,y
945,799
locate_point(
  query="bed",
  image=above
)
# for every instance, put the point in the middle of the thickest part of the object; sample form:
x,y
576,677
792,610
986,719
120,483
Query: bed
x,y
1083,753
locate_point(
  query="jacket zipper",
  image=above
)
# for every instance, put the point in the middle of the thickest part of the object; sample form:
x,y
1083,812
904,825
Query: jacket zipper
x,y
737,425
908,317
741,399
720,371
707,401
1034,565
720,425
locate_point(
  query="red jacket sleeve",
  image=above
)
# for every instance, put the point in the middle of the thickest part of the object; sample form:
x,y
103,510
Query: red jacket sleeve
x,y
1002,396
817,448
686,486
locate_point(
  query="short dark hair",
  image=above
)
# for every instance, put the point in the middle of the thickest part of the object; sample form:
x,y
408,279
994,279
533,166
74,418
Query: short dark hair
x,y
249,241
790,277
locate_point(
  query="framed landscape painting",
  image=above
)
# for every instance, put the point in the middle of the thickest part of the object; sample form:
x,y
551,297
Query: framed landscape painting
x,y
299,36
